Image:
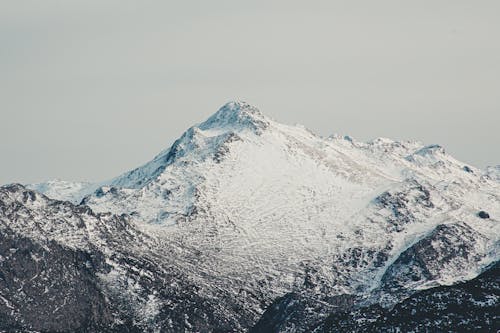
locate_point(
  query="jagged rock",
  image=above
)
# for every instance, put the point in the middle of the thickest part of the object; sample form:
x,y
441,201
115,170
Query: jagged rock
x,y
445,252
471,306
52,288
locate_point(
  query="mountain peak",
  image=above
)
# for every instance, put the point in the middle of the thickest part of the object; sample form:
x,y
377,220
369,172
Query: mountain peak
x,y
237,115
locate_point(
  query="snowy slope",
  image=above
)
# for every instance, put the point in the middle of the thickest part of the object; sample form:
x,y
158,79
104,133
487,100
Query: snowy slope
x,y
259,208
64,190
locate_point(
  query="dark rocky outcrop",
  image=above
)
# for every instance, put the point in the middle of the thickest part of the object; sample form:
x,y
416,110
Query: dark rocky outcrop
x,y
300,312
472,306
484,215
51,288
468,169
450,246
403,203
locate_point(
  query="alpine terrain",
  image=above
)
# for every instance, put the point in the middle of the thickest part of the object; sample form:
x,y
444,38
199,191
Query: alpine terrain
x,y
248,225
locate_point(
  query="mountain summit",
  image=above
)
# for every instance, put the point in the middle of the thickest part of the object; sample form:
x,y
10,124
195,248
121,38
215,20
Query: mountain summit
x,y
259,215
236,115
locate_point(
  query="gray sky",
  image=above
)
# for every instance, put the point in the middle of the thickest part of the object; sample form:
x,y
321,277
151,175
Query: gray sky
x,y
89,89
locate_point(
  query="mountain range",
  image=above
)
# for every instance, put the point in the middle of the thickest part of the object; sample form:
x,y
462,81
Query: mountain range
x,y
247,224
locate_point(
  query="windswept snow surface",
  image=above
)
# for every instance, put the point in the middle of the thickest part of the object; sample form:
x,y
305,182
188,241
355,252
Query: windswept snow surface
x,y
64,190
255,206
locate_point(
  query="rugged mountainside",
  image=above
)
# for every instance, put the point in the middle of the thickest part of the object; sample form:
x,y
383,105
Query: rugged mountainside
x,y
245,221
471,306
65,268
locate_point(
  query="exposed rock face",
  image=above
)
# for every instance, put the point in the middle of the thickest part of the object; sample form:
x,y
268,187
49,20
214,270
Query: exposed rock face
x,y
471,306
404,202
51,288
64,268
446,252
301,312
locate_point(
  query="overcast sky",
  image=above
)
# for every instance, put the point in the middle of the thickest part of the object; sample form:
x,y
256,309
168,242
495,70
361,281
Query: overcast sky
x,y
89,89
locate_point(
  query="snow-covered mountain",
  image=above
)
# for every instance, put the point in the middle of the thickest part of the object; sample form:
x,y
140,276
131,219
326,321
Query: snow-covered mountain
x,y
249,210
